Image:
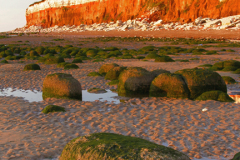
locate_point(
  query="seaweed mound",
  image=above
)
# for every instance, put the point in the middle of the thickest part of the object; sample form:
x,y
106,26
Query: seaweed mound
x,y
114,73
107,67
61,85
135,81
169,85
229,65
53,108
200,81
32,66
109,146
215,95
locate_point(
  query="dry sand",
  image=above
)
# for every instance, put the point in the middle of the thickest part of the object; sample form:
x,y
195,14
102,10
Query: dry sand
x,y
26,133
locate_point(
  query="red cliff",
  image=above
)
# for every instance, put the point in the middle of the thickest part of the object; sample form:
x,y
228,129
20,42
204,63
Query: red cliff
x,y
75,12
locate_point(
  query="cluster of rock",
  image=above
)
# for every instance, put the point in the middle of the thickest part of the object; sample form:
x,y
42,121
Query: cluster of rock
x,y
139,24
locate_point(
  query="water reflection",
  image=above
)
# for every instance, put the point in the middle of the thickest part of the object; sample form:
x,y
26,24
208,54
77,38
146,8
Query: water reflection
x,y
36,96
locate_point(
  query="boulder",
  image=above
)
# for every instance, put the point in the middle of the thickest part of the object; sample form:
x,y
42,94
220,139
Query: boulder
x,y
31,66
164,59
236,156
159,71
135,81
114,73
107,67
109,146
229,65
200,81
228,80
61,85
53,108
169,85
215,95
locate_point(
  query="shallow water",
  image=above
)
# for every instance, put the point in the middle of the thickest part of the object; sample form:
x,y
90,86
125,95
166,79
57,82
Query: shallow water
x,y
36,96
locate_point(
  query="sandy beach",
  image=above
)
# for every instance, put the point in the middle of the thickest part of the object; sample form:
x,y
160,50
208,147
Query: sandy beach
x,y
26,133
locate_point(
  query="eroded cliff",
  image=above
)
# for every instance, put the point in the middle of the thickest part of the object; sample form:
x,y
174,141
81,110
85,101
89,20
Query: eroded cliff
x,y
75,12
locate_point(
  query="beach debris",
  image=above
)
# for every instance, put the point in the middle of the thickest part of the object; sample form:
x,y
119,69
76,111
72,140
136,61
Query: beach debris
x,y
204,109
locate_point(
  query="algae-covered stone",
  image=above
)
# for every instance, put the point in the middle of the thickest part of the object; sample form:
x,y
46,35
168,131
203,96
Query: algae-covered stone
x,y
169,85
77,60
201,80
228,80
71,66
230,65
94,74
53,108
114,73
107,67
164,59
215,95
159,71
96,90
32,66
236,156
61,85
135,81
54,60
110,146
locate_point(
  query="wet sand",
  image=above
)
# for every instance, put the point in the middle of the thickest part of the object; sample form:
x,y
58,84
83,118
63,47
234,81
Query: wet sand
x,y
26,133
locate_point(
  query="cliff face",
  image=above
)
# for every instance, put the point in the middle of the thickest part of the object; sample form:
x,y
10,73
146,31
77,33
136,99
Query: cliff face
x,y
49,13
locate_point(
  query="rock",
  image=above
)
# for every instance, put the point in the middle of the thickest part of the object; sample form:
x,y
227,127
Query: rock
x,y
159,71
201,80
228,80
169,85
231,65
236,156
113,146
164,59
114,73
71,66
96,90
107,67
135,81
53,108
215,95
32,66
61,85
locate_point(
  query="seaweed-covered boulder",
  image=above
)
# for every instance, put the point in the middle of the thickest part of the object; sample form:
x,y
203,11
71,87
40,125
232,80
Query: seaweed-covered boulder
x,y
53,108
215,95
228,80
107,67
31,66
71,66
61,85
135,81
77,60
201,80
4,61
236,156
114,73
54,60
109,146
94,74
169,85
157,72
164,59
230,65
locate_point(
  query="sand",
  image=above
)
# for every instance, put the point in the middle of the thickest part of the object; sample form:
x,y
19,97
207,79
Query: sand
x,y
26,133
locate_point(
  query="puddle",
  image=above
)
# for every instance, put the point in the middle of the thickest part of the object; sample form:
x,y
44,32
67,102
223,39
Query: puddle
x,y
36,96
